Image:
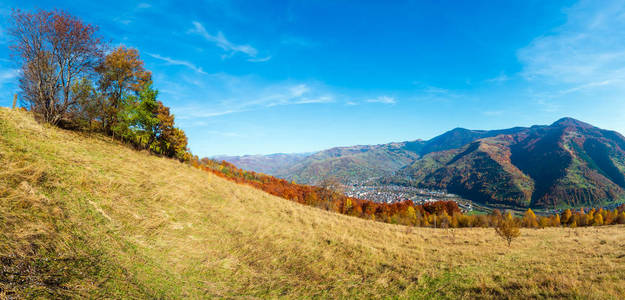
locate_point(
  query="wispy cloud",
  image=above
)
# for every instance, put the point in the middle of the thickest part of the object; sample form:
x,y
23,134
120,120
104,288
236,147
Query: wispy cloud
x,y
4,39
222,42
587,52
382,99
433,93
289,95
172,61
499,79
492,113
242,94
194,111
262,59
8,75
299,90
322,99
144,5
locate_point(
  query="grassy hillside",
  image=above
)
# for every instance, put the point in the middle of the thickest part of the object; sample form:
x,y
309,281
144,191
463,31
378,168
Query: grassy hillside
x,y
83,216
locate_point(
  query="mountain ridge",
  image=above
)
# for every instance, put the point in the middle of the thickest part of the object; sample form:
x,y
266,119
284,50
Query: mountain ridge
x,y
567,163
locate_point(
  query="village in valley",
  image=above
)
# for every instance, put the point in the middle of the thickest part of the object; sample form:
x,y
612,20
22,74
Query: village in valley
x,y
390,193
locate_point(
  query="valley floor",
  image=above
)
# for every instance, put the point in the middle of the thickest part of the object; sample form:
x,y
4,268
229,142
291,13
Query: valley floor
x,y
83,216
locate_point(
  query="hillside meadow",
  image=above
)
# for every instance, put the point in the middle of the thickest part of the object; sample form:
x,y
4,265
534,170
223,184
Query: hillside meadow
x,y
82,216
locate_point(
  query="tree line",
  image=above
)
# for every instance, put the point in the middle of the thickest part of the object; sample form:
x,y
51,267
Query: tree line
x,y
438,214
71,78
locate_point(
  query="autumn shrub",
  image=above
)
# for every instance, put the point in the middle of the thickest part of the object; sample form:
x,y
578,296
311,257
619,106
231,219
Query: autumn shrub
x,y
508,229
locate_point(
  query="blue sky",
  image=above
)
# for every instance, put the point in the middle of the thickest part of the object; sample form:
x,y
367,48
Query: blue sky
x,y
257,77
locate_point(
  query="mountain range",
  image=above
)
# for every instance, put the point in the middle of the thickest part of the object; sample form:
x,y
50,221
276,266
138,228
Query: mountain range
x,y
566,164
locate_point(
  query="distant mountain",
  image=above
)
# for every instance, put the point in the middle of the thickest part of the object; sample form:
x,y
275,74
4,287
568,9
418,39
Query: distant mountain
x,y
364,162
267,164
353,163
566,164
459,137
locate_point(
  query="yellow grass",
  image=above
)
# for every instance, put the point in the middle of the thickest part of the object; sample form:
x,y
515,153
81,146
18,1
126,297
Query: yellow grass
x,y
84,216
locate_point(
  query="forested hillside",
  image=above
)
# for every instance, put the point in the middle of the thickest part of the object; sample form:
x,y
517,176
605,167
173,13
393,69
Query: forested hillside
x,y
566,164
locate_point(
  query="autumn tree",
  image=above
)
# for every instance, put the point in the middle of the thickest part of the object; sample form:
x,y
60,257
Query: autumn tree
x,y
597,220
529,219
87,108
621,218
331,189
172,141
55,50
122,75
411,215
556,221
508,229
566,216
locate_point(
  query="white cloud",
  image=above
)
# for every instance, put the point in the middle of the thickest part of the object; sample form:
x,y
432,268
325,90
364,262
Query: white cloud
x,y
231,48
144,5
587,52
123,21
226,94
196,111
8,75
291,94
322,99
299,90
382,99
433,93
436,90
499,79
262,59
178,62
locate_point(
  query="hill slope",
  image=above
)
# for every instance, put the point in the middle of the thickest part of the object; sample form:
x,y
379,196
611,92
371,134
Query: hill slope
x,y
82,216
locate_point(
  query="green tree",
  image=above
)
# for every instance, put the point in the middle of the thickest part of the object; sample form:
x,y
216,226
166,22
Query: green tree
x,y
122,75
145,123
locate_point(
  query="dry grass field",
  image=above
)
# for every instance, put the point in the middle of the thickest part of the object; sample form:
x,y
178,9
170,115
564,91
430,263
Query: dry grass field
x,y
82,216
